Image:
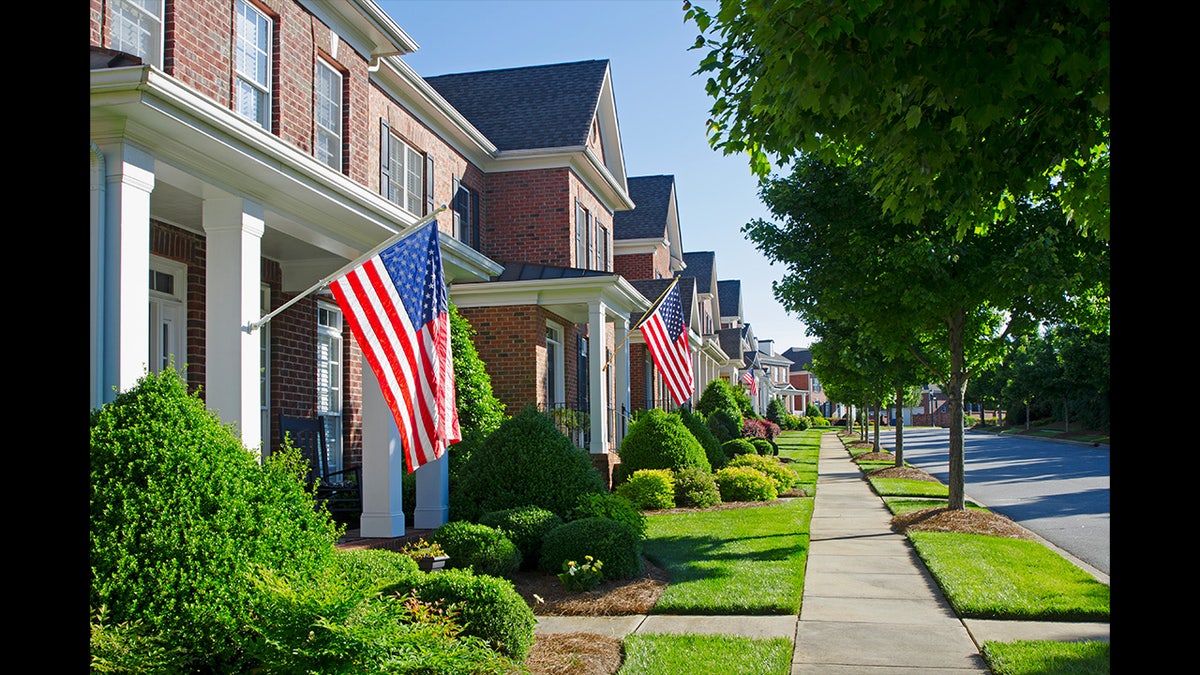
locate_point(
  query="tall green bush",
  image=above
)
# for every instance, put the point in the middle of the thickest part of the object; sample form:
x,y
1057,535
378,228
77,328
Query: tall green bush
x,y
696,424
659,440
182,515
718,395
526,461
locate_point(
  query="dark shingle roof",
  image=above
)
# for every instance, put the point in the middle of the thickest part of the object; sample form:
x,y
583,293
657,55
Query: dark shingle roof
x,y
699,265
653,288
526,272
648,218
730,292
730,340
801,357
547,106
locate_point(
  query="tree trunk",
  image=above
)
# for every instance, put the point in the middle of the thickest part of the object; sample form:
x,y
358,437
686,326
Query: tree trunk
x,y
878,406
899,426
957,387
1067,415
1026,415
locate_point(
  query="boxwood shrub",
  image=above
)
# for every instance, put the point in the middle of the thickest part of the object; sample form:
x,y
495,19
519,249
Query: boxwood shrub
x,y
738,446
479,547
659,440
782,476
650,489
695,488
696,424
526,461
526,526
610,505
613,543
182,516
744,484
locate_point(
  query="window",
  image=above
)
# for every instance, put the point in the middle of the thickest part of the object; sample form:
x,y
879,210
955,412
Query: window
x,y
137,29
466,215
601,247
329,115
168,281
582,245
252,61
329,379
554,365
402,172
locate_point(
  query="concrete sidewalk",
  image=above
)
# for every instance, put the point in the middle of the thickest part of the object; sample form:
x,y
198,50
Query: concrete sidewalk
x,y
869,605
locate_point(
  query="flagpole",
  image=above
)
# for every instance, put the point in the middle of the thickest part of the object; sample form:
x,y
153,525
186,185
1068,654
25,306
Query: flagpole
x,y
639,323
253,325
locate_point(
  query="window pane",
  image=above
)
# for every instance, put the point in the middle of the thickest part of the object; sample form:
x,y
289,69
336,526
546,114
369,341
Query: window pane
x,y
416,178
329,116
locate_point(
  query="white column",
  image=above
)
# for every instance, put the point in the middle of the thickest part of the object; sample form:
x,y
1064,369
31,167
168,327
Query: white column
x,y
598,393
433,494
621,372
382,464
123,269
233,229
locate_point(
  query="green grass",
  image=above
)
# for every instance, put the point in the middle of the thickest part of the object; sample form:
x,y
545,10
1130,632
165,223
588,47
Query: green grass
x,y
907,487
662,654
802,448
902,505
734,561
1039,657
989,577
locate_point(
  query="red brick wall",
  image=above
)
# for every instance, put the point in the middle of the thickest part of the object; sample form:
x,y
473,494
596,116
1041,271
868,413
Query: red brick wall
x,y
634,266
529,216
511,343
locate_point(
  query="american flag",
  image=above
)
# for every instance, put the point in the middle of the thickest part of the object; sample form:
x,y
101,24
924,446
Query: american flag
x,y
668,344
748,378
396,305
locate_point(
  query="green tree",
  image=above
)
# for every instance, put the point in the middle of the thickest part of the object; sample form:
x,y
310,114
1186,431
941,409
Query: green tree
x,y
969,108
950,301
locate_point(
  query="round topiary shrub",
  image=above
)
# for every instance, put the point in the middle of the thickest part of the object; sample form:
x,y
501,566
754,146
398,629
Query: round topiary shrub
x,y
488,607
712,447
650,489
744,484
659,440
613,506
479,547
181,516
783,477
738,446
696,489
724,424
764,447
614,544
527,461
526,526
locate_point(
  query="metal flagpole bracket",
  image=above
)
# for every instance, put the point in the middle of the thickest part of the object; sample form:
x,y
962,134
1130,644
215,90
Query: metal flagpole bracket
x,y
255,325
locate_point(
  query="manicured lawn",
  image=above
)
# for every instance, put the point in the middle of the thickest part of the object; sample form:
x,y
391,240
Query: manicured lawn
x,y
688,654
732,561
1039,657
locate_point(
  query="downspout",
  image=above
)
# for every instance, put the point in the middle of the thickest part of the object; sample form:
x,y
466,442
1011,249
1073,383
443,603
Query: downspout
x,y
97,232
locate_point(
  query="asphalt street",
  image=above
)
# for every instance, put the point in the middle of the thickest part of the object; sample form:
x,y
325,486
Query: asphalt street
x,y
1058,490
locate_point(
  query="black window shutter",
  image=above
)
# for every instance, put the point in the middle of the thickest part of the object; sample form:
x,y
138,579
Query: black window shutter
x,y
428,184
456,207
474,220
385,159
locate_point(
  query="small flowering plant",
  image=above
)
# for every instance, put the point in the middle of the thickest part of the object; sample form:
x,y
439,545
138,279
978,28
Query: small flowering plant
x,y
585,577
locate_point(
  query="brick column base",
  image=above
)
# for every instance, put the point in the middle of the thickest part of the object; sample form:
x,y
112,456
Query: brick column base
x,y
605,464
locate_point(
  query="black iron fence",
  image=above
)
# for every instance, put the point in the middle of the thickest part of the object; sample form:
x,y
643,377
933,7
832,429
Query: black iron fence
x,y
575,421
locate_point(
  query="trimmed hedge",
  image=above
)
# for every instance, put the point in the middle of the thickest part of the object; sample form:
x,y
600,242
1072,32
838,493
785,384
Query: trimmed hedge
x,y
712,447
745,484
650,489
610,505
526,526
613,543
479,547
696,489
659,440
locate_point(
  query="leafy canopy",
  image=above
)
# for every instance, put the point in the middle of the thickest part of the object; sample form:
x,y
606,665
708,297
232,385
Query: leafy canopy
x,y
967,106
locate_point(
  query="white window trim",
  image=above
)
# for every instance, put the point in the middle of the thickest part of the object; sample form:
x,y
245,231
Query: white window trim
x,y
334,161
332,413
399,191
559,384
127,12
251,79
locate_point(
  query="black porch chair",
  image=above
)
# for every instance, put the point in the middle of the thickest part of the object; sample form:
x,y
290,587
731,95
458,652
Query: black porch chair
x,y
339,491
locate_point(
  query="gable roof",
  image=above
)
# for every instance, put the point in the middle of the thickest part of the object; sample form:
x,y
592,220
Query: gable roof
x,y
730,340
649,219
653,288
730,293
532,107
801,358
700,264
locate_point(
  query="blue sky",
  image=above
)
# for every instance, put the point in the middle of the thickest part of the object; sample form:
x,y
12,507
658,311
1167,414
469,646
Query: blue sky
x,y
661,109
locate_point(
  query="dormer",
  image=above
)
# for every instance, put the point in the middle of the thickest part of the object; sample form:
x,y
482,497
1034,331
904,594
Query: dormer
x,y
647,240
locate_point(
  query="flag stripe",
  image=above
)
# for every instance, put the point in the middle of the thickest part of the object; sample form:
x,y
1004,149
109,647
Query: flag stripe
x,y
380,299
673,358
